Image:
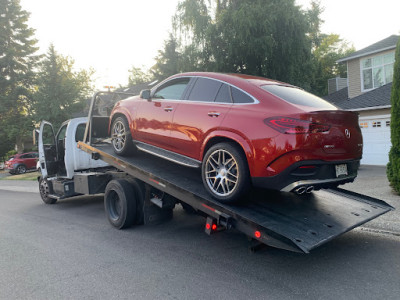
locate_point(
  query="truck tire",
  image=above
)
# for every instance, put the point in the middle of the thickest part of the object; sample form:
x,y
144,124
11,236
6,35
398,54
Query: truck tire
x,y
225,172
121,137
139,189
120,203
44,190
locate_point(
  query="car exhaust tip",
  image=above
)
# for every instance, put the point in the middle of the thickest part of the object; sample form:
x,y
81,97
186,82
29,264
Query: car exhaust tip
x,y
300,190
309,189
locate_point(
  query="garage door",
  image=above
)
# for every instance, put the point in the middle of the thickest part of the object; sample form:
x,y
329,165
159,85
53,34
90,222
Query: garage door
x,y
376,135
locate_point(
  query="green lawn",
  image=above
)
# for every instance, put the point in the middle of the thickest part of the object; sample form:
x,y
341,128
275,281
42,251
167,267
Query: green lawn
x,y
27,176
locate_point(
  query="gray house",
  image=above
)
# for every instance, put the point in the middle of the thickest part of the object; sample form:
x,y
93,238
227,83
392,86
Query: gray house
x,y
370,75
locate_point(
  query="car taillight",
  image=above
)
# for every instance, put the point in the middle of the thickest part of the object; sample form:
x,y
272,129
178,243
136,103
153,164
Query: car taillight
x,y
295,126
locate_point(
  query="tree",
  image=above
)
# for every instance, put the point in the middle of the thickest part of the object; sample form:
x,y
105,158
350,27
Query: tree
x,y
167,61
17,63
61,91
258,37
330,49
393,167
138,76
326,50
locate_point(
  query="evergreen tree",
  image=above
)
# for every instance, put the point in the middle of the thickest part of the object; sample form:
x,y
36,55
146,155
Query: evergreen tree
x,y
17,62
167,61
61,91
393,167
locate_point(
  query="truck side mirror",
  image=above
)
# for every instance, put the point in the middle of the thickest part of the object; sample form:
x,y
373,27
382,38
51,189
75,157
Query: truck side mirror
x,y
145,94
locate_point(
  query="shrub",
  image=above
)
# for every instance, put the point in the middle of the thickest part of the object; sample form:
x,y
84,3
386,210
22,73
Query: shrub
x,y
393,167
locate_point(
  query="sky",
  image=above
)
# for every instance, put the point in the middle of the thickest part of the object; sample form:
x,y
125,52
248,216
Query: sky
x,y
112,36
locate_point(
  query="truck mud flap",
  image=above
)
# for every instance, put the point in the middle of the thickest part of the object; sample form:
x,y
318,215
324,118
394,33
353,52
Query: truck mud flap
x,y
302,223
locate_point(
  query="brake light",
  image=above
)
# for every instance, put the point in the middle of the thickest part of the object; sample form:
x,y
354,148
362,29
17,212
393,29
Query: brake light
x,y
295,126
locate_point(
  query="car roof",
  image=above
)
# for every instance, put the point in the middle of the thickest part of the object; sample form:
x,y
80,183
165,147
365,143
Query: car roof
x,y
233,77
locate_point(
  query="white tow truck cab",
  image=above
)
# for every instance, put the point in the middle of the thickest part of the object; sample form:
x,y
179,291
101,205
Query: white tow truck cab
x,y
61,160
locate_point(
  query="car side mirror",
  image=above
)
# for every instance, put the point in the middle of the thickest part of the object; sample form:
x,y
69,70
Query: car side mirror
x,y
145,94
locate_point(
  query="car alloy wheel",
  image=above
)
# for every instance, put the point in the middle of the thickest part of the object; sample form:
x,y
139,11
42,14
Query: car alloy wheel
x,y
222,172
121,137
225,172
21,169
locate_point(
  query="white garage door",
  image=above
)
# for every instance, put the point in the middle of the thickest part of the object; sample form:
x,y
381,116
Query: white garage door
x,y
376,135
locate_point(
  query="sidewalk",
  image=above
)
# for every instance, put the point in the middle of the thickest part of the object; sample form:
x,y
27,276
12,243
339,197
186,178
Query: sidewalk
x,y
371,181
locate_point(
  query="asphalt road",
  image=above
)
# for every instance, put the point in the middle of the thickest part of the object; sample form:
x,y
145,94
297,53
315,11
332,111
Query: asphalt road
x,y
69,251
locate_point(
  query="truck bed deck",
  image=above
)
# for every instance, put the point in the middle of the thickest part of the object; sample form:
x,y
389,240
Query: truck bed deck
x,y
293,222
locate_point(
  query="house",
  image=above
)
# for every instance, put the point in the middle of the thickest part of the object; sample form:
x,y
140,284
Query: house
x,y
370,75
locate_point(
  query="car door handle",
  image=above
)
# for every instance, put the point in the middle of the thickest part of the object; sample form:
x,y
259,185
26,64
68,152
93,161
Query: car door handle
x,y
168,108
213,114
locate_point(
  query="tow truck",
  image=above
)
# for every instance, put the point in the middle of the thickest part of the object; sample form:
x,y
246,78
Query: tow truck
x,y
143,189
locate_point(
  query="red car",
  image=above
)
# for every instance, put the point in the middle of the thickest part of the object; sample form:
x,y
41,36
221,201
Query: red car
x,y
241,131
20,163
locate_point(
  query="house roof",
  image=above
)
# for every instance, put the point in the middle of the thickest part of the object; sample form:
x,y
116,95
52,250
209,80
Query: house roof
x,y
385,44
375,99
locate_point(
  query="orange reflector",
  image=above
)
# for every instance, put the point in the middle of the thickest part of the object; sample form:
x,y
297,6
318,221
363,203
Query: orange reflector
x,y
257,234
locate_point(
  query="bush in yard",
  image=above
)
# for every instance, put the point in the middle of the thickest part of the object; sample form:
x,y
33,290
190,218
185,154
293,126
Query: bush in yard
x,y
393,167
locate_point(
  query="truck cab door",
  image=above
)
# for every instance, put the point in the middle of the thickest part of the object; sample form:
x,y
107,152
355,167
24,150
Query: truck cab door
x,y
47,150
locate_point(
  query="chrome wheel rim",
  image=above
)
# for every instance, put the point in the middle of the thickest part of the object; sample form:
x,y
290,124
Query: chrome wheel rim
x,y
44,188
222,173
119,135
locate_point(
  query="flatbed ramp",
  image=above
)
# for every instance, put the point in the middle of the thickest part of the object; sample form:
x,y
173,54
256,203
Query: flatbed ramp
x,y
284,220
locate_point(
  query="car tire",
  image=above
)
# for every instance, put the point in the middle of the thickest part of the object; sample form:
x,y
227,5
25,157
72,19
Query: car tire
x,y
21,169
225,172
121,137
120,203
44,190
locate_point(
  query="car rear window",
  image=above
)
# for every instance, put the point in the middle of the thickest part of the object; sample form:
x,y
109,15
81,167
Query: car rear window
x,y
297,96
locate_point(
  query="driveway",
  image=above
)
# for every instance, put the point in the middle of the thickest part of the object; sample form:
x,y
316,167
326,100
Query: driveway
x,y
372,181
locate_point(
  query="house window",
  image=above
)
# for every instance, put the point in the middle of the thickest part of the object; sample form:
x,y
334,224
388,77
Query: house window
x,y
377,71
387,123
376,124
364,124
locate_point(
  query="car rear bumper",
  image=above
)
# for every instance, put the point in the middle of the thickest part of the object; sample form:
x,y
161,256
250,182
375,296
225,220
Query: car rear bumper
x,y
313,174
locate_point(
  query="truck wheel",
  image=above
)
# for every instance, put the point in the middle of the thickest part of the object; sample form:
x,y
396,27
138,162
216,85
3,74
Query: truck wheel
x,y
225,172
121,137
21,169
120,203
44,190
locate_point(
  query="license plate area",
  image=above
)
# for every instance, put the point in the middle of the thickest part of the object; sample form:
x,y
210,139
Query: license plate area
x,y
341,170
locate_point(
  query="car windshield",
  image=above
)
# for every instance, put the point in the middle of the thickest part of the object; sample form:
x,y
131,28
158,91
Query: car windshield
x,y
298,96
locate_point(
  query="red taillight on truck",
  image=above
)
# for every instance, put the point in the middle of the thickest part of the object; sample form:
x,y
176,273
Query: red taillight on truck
x,y
295,126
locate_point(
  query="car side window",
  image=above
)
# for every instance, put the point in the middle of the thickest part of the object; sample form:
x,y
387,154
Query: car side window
x,y
172,89
204,90
240,97
224,94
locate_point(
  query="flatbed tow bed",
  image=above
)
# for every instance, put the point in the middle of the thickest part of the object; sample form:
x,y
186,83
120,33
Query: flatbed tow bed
x,y
288,221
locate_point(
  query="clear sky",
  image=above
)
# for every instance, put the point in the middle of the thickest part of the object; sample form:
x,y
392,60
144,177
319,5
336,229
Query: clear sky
x,y
112,36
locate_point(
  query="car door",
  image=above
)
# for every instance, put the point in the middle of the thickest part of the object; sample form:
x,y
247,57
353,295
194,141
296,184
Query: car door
x,y
47,150
29,160
202,112
154,116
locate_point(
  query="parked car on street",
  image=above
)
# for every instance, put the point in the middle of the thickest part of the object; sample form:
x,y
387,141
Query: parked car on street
x,y
241,131
20,163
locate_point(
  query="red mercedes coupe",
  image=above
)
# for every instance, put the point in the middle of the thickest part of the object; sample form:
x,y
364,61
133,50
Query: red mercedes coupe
x,y
242,131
